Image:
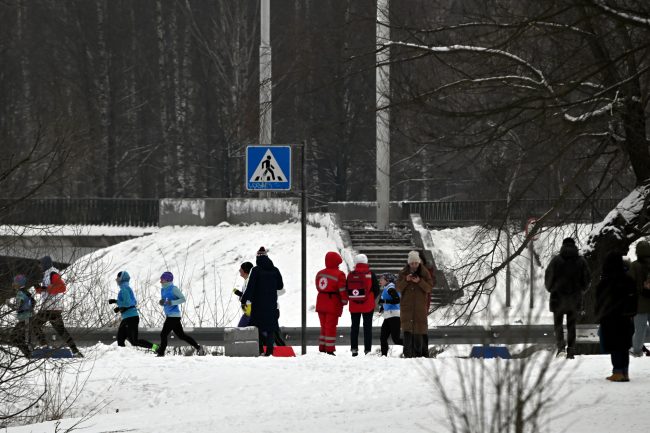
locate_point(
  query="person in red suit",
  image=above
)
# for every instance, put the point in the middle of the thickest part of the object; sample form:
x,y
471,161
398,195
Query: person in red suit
x,y
332,296
363,287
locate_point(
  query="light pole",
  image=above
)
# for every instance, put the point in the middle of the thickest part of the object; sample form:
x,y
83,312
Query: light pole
x,y
382,86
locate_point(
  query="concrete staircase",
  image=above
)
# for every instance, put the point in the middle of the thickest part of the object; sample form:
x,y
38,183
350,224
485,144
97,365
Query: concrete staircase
x,y
386,249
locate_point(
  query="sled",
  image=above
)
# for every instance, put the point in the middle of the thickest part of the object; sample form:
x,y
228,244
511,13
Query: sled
x,y
52,352
490,352
282,351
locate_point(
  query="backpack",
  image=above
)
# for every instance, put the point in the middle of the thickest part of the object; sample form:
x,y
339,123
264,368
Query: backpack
x,y
29,304
359,286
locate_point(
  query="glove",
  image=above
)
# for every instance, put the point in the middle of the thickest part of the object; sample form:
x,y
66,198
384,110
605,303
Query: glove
x,y
161,302
112,301
168,301
381,309
116,309
237,292
247,309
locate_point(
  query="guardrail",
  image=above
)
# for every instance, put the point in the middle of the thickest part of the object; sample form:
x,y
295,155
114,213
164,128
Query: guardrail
x,y
445,335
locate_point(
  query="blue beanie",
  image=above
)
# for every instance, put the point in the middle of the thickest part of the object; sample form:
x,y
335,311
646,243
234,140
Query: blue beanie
x,y
20,280
167,276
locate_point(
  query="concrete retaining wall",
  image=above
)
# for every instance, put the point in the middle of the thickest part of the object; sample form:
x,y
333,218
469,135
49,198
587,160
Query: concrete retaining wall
x,y
364,210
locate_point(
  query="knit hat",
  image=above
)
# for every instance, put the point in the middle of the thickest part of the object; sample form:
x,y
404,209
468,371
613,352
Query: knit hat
x,y
262,251
414,257
20,280
46,263
167,276
360,258
390,278
568,241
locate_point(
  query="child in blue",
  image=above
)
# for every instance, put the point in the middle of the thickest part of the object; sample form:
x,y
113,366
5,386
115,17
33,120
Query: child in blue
x,y
127,307
389,307
24,307
170,298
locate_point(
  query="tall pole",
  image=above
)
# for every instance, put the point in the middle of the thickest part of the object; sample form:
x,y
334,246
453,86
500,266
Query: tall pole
x,y
303,241
265,72
382,85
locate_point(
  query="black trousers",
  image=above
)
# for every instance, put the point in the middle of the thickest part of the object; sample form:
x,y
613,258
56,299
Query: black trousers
x,y
390,327
174,324
558,318
128,330
19,338
367,331
413,345
56,320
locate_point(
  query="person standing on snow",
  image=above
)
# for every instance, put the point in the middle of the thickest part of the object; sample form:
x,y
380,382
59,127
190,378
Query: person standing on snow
x,y
264,283
52,289
414,284
24,307
640,272
170,299
362,287
566,278
244,272
127,307
389,301
616,302
332,296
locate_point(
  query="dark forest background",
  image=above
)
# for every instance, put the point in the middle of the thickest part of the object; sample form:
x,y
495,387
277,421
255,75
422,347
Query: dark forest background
x,y
158,98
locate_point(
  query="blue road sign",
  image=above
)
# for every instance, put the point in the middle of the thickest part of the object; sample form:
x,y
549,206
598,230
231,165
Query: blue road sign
x,y
268,168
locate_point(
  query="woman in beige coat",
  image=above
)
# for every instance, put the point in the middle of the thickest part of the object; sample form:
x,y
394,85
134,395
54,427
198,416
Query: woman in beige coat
x,y
415,284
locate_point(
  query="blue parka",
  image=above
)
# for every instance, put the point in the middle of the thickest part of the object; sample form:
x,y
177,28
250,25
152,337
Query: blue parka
x,y
126,298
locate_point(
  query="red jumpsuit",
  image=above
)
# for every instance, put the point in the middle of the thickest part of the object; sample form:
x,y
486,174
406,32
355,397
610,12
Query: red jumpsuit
x,y
332,295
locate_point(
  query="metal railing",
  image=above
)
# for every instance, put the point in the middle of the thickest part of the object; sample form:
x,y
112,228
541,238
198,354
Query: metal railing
x,y
488,212
85,211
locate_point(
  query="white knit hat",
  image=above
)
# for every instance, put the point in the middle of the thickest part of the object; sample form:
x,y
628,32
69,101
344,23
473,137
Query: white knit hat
x,y
360,258
414,257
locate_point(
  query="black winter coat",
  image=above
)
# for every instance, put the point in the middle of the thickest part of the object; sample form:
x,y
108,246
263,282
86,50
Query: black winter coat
x,y
616,300
567,278
264,283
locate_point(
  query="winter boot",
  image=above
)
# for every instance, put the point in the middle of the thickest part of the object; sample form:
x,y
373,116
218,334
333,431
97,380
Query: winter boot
x,y
570,353
645,350
355,352
618,377
200,351
561,353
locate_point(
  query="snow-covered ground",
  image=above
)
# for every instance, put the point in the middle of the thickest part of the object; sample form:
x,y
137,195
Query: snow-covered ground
x,y
134,391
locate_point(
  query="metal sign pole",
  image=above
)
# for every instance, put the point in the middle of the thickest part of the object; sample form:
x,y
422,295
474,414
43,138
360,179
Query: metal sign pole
x,y
303,240
532,271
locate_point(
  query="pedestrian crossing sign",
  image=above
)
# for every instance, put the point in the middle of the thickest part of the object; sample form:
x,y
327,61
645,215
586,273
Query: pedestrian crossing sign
x,y
268,168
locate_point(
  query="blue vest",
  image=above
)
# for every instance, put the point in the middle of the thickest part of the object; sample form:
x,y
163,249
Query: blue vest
x,y
168,293
26,305
386,297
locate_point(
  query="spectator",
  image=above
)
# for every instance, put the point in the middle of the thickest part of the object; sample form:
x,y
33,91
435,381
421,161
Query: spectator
x,y
567,278
23,304
640,273
170,299
616,302
362,288
52,289
244,272
332,296
389,308
264,283
414,284
432,271
127,307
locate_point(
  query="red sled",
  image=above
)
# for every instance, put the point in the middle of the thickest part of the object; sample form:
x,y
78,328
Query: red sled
x,y
282,351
